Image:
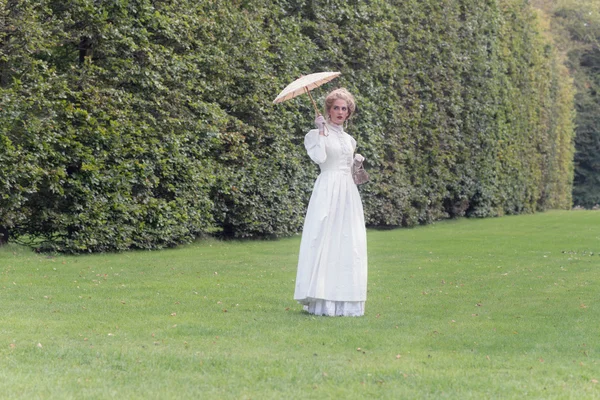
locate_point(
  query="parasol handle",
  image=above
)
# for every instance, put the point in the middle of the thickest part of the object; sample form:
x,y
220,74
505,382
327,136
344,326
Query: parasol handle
x,y
316,109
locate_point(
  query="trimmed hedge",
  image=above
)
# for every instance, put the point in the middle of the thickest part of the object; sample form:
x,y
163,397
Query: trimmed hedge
x,y
139,124
580,21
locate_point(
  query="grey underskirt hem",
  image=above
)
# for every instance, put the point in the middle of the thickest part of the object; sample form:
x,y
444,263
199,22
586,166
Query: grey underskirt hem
x,y
335,308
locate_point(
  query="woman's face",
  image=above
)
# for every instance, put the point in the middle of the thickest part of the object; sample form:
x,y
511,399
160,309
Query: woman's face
x,y
338,113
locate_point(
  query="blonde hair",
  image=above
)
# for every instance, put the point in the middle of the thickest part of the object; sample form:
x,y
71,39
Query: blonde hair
x,y
340,94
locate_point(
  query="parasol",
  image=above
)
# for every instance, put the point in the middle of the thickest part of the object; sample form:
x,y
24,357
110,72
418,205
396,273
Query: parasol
x,y
305,84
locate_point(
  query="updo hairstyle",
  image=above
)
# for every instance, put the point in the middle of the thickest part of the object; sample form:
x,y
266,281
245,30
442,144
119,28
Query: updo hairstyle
x,y
340,94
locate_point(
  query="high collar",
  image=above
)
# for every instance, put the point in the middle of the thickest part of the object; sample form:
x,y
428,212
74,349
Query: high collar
x,y
335,128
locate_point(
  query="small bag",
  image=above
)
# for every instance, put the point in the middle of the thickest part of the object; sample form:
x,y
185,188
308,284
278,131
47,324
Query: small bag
x,y
359,174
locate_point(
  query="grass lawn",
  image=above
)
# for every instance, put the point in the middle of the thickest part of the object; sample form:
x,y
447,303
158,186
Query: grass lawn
x,y
494,308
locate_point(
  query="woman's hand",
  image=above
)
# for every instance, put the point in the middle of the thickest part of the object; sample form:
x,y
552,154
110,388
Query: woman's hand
x,y
320,123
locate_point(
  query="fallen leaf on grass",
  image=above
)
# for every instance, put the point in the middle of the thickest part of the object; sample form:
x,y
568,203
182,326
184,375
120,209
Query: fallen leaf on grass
x,y
594,381
39,345
173,314
398,356
12,345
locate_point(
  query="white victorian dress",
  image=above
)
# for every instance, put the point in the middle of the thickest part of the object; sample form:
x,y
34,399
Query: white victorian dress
x,y
332,265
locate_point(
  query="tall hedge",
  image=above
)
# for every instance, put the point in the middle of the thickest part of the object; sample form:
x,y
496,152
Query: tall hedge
x,y
143,124
581,22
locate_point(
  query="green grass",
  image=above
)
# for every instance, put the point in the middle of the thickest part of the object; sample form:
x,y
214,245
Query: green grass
x,y
495,308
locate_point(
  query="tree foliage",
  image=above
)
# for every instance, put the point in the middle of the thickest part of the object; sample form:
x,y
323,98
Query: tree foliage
x,y
143,124
576,27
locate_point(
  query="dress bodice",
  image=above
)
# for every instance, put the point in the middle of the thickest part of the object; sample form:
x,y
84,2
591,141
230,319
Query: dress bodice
x,y
333,152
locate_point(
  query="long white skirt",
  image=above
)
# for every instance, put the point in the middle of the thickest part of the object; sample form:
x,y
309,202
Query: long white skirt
x,y
332,265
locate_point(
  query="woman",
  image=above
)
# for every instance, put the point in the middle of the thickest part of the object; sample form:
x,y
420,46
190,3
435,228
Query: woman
x,y
332,266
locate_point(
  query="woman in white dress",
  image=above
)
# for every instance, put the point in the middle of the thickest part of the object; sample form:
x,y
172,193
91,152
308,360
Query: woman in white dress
x,y
332,266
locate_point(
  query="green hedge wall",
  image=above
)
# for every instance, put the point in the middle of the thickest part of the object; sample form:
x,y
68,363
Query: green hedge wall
x,y
580,21
141,124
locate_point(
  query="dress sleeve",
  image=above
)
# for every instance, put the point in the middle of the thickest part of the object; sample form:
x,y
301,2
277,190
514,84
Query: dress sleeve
x,y
315,146
353,144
